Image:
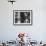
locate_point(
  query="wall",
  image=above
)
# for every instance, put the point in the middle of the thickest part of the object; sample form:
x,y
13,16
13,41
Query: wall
x,y
38,29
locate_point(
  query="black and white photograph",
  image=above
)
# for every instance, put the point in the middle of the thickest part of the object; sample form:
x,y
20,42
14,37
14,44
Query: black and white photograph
x,y
22,16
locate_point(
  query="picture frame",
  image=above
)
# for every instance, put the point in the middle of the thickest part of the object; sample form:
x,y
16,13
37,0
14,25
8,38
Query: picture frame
x,y
22,17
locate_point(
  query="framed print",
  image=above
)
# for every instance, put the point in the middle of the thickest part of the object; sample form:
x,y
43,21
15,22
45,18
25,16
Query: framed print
x,y
22,17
